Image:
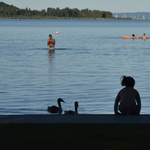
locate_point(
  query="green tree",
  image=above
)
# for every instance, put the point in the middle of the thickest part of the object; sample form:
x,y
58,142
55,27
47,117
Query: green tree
x,y
43,12
10,10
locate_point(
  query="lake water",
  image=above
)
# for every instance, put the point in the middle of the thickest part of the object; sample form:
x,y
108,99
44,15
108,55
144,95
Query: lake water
x,y
89,59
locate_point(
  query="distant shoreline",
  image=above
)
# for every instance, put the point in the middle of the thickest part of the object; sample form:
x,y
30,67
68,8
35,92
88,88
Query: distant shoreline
x,y
64,18
71,18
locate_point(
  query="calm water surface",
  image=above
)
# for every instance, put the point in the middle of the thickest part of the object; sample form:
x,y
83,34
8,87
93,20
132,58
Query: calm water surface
x,y
89,59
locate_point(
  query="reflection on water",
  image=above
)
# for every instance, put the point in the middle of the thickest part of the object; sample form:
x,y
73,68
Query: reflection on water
x,y
51,54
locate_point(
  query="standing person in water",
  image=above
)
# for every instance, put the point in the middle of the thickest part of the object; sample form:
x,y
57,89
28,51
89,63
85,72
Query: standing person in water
x,y
128,97
51,43
144,37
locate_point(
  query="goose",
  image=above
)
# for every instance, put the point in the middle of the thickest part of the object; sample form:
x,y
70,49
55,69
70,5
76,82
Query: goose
x,y
55,109
71,111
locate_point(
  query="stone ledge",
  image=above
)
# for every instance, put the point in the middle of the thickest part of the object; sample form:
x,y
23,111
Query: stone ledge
x,y
76,119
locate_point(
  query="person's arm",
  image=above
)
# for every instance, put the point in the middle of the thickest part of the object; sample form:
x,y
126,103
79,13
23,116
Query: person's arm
x,y
48,42
53,41
116,104
138,99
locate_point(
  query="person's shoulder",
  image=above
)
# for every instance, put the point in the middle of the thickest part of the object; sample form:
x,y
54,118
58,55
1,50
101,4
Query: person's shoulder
x,y
135,90
123,89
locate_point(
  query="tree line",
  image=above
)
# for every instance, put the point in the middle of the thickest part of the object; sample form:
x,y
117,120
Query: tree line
x,y
10,11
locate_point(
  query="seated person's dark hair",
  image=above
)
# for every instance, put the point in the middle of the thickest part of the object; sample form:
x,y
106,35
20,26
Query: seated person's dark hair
x,y
127,81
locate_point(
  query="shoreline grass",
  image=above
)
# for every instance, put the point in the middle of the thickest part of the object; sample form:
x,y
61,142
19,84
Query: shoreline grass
x,y
74,136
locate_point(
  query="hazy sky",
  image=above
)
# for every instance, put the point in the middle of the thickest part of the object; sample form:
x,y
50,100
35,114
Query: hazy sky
x,y
107,5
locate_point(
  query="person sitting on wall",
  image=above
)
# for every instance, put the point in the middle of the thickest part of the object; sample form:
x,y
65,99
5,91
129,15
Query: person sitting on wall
x,y
128,97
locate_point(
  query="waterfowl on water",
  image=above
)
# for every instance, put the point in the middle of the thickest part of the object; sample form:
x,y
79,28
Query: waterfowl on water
x,y
55,109
71,111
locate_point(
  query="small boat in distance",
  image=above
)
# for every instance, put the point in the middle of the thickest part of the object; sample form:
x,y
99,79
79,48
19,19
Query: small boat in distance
x,y
56,32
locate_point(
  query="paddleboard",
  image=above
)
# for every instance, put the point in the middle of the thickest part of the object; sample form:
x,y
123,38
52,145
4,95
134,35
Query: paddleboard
x,y
128,37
